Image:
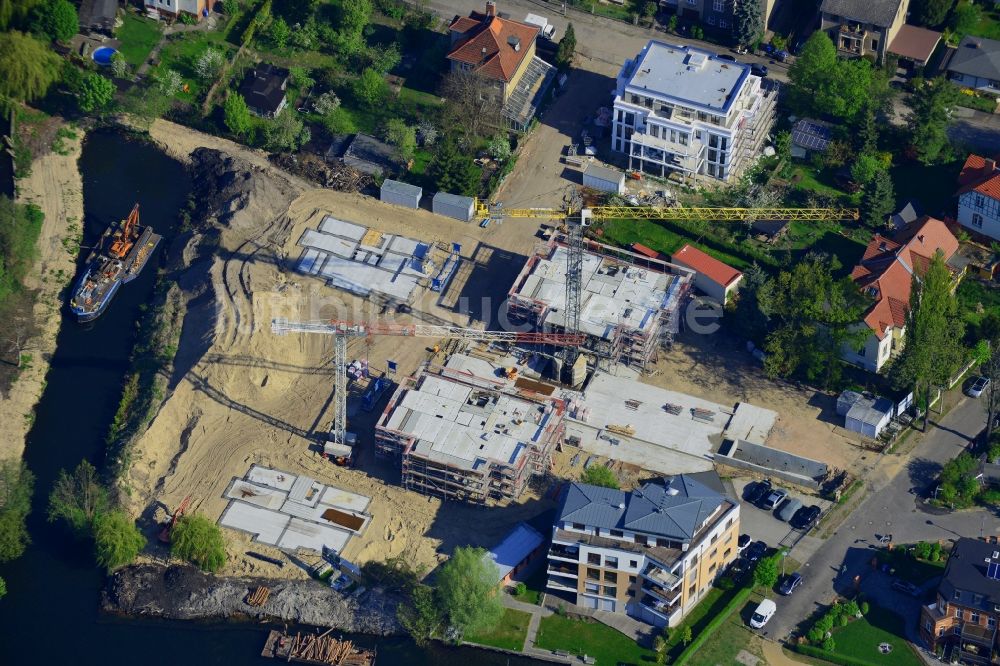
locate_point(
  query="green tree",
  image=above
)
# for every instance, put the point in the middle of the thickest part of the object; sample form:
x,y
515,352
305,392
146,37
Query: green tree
x,y
990,367
746,314
197,539
3,588
932,104
237,115
566,48
748,22
931,13
370,87
765,574
452,169
29,68
866,138
352,17
117,540
119,66
285,132
661,647
56,19
933,335
467,591
879,199
299,77
865,167
279,32
78,498
94,92
403,136
965,17
686,635
420,616
810,71
16,486
384,58
600,475
499,147
813,315
209,63
846,90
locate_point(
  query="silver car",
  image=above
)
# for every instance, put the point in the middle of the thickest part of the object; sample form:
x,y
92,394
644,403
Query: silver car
x,y
978,386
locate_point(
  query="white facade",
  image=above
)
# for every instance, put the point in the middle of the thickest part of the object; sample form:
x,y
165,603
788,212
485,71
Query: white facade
x,y
977,83
979,213
682,109
875,353
176,7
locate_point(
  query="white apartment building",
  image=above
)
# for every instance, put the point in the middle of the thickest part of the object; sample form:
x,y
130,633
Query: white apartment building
x,y
683,110
651,553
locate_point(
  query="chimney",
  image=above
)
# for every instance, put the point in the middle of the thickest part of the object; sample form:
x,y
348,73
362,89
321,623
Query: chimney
x,y
514,42
920,237
491,8
991,165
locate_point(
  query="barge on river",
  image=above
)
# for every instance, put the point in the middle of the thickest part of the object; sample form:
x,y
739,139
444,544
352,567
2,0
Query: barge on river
x,y
120,255
316,649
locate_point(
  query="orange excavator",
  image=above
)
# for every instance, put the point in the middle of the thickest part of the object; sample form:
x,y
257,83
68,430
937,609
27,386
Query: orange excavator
x,y
125,237
168,527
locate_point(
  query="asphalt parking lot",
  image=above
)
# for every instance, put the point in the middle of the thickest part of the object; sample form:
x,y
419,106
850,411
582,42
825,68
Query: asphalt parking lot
x,y
767,527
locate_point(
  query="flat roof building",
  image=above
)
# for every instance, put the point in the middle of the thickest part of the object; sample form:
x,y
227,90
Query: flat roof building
x,y
683,110
463,437
628,305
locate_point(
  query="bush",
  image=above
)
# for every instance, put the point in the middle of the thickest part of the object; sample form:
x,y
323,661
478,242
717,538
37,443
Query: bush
x,y
600,475
705,634
520,589
117,541
339,121
198,540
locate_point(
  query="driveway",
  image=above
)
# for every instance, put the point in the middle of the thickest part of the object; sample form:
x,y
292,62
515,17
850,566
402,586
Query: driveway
x,y
891,508
765,526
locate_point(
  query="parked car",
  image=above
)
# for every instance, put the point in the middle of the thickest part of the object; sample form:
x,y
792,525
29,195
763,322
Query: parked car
x,y
789,509
742,543
978,386
756,550
780,56
758,70
726,56
774,498
805,517
791,582
906,587
739,568
755,492
765,611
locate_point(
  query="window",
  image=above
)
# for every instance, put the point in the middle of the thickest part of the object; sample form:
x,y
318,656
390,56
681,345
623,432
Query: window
x,y
654,131
662,543
927,626
640,539
713,155
593,574
682,139
594,558
711,169
618,534
630,593
630,119
974,617
692,2
729,523
710,20
621,115
610,577
593,587
723,143
979,201
692,590
611,562
723,23
874,45
715,537
618,145
634,98
633,564
991,622
579,526
977,220
694,560
941,631
713,141
610,591
631,580
727,553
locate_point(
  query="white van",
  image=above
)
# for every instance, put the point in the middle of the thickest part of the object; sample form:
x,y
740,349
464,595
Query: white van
x,y
763,613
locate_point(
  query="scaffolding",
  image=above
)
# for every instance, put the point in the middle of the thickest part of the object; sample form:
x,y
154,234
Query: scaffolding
x,y
465,438
629,304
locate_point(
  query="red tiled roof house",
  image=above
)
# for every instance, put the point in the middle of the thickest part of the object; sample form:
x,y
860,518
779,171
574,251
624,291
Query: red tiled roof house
x,y
498,49
886,273
712,277
979,196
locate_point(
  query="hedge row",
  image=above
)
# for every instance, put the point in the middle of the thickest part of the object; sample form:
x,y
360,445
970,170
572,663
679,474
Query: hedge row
x,y
832,657
737,601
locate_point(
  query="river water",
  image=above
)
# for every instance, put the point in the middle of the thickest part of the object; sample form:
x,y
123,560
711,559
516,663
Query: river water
x,y
50,614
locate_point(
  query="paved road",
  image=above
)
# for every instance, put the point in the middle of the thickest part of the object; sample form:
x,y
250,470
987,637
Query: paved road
x,y
891,508
605,41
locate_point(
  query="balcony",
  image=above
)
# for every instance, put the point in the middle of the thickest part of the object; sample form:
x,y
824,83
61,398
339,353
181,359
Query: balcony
x,y
561,583
661,577
659,607
661,594
561,552
691,149
563,569
664,556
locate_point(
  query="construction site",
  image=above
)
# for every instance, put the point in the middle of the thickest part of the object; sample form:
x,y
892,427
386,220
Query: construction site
x,y
628,303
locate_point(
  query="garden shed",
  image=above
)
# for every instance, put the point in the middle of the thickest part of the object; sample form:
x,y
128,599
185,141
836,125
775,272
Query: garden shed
x,y
604,179
869,415
453,205
401,194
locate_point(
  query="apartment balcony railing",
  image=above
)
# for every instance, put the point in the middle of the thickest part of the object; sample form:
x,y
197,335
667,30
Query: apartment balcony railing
x,y
561,583
564,552
668,597
661,578
662,608
563,569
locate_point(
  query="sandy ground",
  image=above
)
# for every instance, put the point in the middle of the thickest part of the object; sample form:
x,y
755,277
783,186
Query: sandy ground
x,y
242,395
55,185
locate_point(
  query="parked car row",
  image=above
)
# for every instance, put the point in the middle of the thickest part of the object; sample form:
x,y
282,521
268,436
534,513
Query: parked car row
x,y
764,495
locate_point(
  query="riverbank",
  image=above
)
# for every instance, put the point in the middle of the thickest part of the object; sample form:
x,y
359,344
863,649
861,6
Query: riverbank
x,y
182,592
56,186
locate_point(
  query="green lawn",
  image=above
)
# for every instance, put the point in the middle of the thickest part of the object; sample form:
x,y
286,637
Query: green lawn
x,y
860,639
733,636
806,177
659,238
534,586
974,294
606,645
932,186
988,25
138,36
509,634
181,52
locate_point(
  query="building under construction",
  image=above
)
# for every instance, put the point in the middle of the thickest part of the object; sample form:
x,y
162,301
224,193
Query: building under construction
x,y
629,303
459,436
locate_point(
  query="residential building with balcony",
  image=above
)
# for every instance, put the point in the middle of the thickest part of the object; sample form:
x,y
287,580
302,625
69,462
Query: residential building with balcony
x,y
682,110
963,616
717,16
651,553
861,28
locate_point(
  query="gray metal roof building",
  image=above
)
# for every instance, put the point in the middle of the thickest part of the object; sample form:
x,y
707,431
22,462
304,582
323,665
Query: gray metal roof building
x,y
604,178
675,508
401,194
976,56
453,205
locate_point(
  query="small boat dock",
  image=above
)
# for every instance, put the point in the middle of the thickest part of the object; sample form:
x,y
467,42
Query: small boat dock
x,y
316,649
